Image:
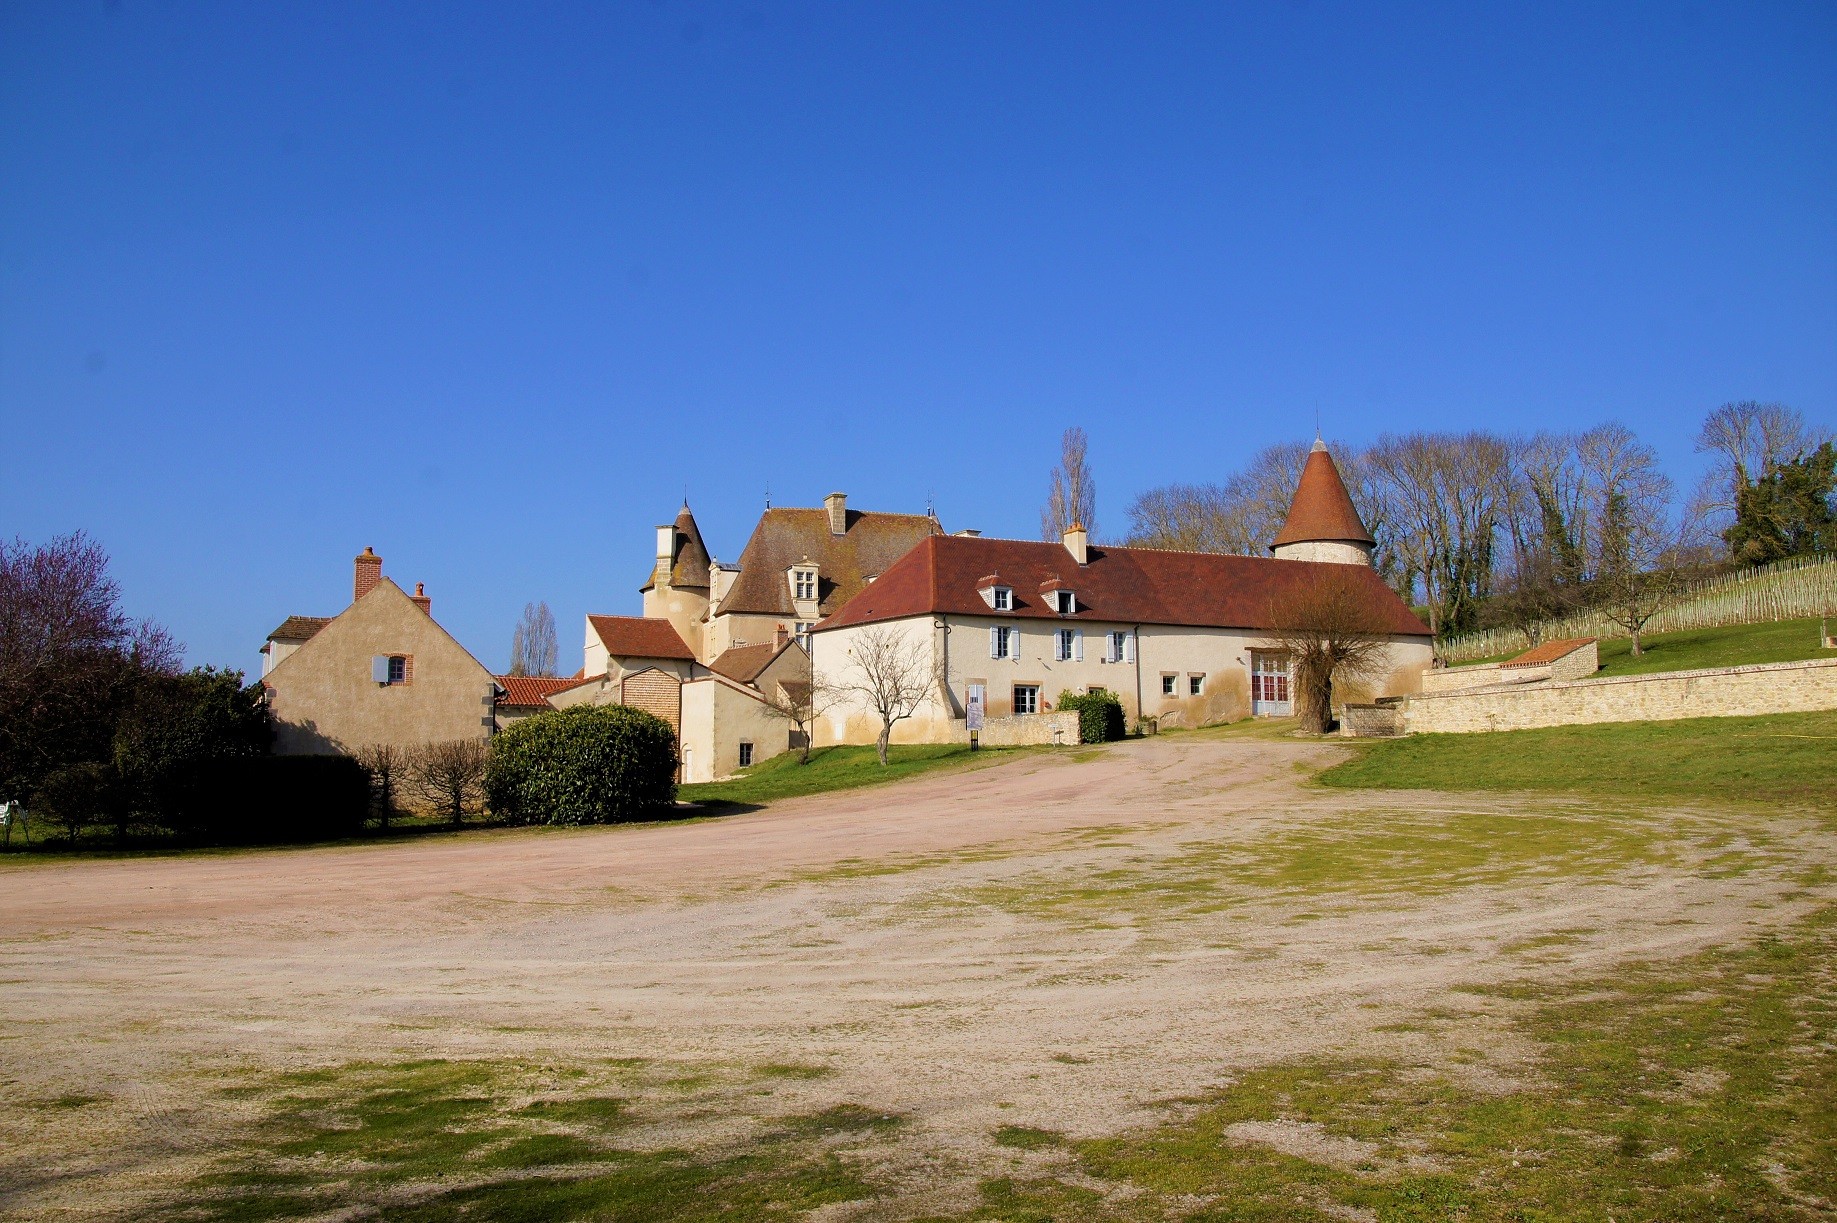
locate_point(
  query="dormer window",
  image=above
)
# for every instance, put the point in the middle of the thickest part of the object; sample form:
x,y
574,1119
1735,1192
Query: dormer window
x,y
1001,598
803,583
1063,601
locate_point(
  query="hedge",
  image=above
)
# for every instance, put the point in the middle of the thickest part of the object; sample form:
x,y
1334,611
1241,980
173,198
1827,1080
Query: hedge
x,y
271,799
1100,714
592,764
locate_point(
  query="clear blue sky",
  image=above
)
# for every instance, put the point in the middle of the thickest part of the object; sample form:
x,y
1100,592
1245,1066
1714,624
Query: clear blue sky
x,y
487,287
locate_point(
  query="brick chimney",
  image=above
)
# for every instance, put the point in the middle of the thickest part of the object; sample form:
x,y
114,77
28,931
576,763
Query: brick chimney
x,y
421,598
779,637
1078,542
837,505
369,568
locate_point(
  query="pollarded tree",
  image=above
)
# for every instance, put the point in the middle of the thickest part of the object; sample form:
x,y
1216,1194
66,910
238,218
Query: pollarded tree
x,y
892,675
1333,631
449,775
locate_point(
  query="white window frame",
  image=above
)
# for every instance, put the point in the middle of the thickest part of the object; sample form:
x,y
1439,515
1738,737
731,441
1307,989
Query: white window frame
x,y
1196,683
1170,683
1001,598
1005,642
1033,691
803,584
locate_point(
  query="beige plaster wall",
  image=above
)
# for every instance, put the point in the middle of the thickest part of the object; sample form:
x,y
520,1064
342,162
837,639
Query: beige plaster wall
x,y
325,702
686,610
717,716
1726,692
1221,656
1320,550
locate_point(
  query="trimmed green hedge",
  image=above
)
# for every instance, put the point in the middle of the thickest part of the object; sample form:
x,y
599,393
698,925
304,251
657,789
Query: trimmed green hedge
x,y
1100,715
592,764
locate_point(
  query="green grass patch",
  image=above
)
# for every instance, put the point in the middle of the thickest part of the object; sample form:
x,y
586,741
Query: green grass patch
x,y
1026,1138
1705,1089
1354,855
1788,758
1734,645
839,768
438,1140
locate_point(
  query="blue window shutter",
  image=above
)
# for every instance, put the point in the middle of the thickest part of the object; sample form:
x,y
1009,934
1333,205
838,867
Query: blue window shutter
x,y
379,668
1077,645
1129,647
995,643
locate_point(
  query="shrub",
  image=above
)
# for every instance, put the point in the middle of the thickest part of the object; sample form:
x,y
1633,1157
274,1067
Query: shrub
x,y
592,764
1100,714
78,796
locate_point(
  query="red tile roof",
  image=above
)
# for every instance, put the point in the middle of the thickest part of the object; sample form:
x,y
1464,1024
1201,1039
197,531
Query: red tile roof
x,y
1118,585
639,637
1322,509
1548,652
531,690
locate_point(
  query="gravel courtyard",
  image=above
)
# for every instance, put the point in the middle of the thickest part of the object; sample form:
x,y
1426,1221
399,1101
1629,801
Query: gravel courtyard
x,y
1069,943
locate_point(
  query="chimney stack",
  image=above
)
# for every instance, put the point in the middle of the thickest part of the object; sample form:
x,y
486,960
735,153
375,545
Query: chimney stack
x,y
837,505
369,568
421,599
1078,542
778,638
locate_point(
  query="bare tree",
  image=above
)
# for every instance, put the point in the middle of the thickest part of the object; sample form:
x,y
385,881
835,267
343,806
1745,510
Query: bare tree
x,y
1191,518
388,766
1334,633
1072,496
801,702
1749,438
892,674
532,645
449,775
1443,496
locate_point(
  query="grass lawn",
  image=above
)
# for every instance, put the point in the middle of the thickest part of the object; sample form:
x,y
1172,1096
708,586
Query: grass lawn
x,y
1737,645
838,768
1781,758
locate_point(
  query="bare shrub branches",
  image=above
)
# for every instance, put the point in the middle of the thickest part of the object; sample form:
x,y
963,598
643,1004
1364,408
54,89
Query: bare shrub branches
x,y
1333,631
892,674
449,776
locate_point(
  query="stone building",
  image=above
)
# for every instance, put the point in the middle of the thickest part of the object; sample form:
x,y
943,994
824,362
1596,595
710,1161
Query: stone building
x,y
382,671
1007,626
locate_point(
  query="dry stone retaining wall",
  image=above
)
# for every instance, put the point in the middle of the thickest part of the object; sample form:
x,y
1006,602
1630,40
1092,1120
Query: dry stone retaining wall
x,y
1723,692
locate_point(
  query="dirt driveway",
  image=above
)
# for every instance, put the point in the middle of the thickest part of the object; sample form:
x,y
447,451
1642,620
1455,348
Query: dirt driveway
x,y
1057,941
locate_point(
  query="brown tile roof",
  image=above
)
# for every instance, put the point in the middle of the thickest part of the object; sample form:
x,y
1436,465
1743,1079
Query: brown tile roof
x,y
689,564
531,690
299,628
745,662
869,546
1118,585
639,637
1322,508
1548,652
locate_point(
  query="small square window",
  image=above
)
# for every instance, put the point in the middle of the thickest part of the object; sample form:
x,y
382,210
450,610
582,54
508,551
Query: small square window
x,y
1004,599
1195,684
746,754
398,669
1026,698
1169,685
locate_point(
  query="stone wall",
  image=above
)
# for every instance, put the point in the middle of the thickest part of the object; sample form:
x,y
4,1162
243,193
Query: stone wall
x,y
1370,721
1032,728
1724,692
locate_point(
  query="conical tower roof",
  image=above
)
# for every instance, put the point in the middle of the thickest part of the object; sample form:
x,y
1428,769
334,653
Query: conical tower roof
x,y
691,564
1322,510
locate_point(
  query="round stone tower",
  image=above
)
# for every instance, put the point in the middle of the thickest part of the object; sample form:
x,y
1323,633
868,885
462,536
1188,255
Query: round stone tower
x,y
1322,523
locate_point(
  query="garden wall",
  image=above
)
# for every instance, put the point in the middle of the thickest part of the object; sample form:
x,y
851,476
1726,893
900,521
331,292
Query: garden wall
x,y
1723,692
1028,730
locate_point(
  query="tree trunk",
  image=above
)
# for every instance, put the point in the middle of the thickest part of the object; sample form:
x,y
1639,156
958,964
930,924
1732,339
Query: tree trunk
x,y
1636,649
880,744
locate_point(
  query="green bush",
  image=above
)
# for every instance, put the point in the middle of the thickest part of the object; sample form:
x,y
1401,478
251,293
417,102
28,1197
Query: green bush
x,y
1100,714
592,764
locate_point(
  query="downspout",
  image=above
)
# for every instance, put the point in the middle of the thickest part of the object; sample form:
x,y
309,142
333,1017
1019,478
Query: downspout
x,y
1136,632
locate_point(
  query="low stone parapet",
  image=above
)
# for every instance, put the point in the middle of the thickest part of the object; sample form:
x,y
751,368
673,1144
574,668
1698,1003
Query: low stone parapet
x,y
1370,721
1031,730
1721,692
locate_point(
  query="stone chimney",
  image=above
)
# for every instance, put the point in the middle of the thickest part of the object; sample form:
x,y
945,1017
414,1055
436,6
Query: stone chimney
x,y
369,572
837,505
666,552
1078,542
421,599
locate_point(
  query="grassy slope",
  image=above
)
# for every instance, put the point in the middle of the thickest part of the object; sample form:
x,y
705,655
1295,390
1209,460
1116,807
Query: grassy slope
x,y
837,768
1782,758
1737,645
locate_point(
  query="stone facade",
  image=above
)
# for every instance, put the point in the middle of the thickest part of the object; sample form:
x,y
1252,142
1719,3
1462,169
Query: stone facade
x,y
1724,692
1370,722
1028,730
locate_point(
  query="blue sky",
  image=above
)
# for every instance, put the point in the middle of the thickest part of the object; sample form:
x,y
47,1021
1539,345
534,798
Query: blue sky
x,y
487,287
